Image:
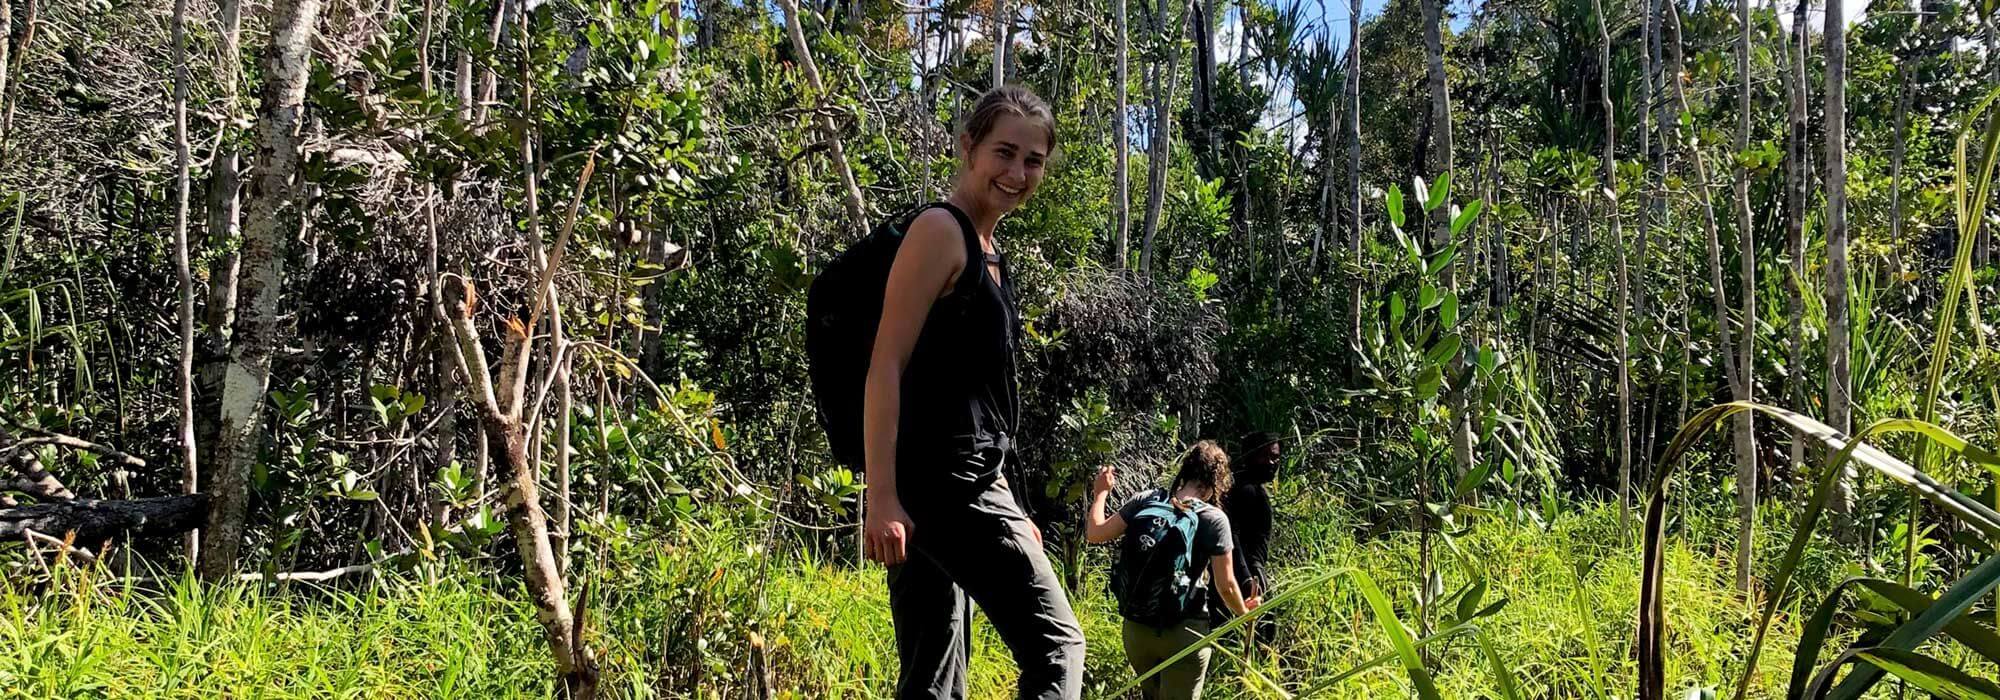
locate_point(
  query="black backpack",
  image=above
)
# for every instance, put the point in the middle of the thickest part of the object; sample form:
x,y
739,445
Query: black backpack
x,y
1150,579
843,310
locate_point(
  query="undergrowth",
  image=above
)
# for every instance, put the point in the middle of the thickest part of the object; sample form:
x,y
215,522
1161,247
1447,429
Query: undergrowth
x,y
673,616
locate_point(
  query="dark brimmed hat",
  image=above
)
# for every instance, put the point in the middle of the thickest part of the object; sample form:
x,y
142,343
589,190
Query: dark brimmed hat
x,y
1257,440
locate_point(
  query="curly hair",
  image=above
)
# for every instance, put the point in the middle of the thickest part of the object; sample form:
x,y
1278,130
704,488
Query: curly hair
x,y
1205,464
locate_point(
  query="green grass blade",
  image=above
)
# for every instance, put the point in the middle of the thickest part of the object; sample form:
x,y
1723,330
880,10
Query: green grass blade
x,y
1933,676
1949,607
1398,637
1813,635
1252,671
1329,682
1815,509
1650,639
1217,634
13,239
1503,675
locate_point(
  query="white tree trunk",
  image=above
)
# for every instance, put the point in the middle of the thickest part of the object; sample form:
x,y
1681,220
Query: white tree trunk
x,y
1354,235
1838,391
1609,177
1003,34
224,219
857,208
1745,382
1795,247
184,369
1441,127
1161,150
272,215
1121,183
1726,339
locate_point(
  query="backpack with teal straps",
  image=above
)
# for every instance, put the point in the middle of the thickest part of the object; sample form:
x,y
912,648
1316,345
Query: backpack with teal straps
x,y
1150,578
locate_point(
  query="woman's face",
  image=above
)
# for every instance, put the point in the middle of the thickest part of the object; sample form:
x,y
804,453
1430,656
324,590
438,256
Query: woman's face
x,y
1002,170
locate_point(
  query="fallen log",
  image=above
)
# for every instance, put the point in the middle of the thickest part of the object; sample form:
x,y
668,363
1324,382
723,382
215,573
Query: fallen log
x,y
94,521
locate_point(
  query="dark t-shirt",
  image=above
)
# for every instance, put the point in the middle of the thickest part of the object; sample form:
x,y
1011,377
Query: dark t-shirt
x,y
1211,531
1249,509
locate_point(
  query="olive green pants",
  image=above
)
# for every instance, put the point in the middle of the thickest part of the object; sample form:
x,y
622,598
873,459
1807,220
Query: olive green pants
x,y
1146,646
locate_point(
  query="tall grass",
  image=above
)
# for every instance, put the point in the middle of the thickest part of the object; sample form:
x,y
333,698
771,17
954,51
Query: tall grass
x,y
675,612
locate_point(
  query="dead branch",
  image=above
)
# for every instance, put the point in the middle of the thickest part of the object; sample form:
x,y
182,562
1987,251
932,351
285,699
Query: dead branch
x,y
82,555
93,520
310,576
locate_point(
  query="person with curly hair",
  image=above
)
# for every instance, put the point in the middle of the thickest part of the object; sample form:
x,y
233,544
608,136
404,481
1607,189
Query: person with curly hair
x,y
1165,609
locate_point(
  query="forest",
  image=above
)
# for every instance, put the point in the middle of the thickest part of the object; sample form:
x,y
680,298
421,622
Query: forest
x,y
456,348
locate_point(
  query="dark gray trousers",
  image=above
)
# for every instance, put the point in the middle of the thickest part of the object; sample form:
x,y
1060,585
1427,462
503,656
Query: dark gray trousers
x,y
981,552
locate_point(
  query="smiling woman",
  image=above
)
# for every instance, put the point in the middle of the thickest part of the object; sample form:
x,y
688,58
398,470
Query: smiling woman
x,y
940,408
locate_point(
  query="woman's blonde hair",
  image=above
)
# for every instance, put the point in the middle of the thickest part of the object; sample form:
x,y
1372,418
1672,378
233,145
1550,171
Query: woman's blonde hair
x,y
1007,100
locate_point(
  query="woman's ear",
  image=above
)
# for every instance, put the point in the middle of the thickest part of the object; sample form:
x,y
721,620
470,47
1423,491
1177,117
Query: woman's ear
x,y
965,147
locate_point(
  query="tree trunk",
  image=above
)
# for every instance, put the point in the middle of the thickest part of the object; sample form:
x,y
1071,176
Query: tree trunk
x,y
1795,214
1461,428
272,216
1003,31
224,219
1726,338
12,94
1201,23
1160,152
184,370
1121,185
1746,363
857,208
1355,236
1610,179
1838,394
489,78
564,402
543,576
576,667
1646,67
6,58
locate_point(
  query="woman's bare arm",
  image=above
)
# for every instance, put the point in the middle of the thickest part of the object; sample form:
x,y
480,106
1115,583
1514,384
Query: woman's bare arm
x,y
932,253
1222,569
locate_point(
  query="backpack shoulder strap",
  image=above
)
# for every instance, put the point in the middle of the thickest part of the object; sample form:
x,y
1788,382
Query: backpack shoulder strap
x,y
900,226
975,255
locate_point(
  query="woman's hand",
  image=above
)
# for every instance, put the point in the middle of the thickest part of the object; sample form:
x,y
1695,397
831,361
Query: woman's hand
x,y
886,533
1107,479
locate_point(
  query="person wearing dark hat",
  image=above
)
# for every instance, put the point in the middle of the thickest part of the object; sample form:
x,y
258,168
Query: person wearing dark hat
x,y
1248,506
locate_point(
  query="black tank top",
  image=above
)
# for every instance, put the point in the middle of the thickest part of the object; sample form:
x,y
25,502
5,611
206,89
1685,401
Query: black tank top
x,y
960,394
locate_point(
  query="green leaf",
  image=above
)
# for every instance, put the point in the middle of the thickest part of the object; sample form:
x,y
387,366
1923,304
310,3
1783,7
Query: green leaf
x,y
1472,481
1428,382
1445,349
1399,637
1443,257
1466,216
1949,608
1396,205
1448,310
1440,191
1469,603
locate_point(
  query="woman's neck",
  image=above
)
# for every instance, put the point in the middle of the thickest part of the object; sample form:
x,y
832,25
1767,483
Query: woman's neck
x,y
1199,493
984,219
